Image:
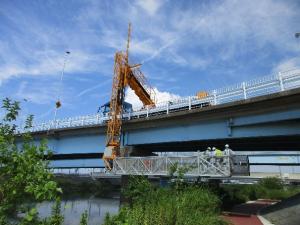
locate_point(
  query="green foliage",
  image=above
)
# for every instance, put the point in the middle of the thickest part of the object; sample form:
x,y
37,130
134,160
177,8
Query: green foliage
x,y
267,188
23,174
271,183
28,122
31,218
138,188
190,206
84,218
12,109
177,173
56,216
7,128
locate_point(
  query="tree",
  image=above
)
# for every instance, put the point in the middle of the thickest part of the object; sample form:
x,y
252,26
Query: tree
x,y
24,173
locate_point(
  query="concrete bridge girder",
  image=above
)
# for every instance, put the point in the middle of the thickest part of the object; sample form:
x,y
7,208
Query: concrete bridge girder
x,y
266,122
262,117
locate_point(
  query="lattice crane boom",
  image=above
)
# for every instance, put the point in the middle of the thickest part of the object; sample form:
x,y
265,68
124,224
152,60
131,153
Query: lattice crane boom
x,y
124,75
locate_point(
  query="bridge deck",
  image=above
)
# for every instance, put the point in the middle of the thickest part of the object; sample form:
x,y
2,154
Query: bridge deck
x,y
246,90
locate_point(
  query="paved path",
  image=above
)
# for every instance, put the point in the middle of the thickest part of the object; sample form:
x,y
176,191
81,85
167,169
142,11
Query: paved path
x,y
242,220
246,214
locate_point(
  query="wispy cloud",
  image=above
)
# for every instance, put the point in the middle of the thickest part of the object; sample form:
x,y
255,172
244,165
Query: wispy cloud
x,y
37,94
85,91
173,27
287,64
157,52
150,6
44,56
188,44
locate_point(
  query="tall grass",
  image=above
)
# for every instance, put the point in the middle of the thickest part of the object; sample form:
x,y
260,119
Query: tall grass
x,y
192,205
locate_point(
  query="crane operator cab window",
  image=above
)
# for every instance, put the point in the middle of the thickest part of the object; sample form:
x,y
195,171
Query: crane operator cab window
x,y
104,109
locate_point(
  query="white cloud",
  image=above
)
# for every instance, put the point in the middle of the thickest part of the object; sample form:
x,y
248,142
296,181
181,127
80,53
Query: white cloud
x,y
287,64
50,63
169,33
233,28
160,97
36,48
150,6
164,96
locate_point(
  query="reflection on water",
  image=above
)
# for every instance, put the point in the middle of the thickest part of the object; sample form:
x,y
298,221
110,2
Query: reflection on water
x,y
72,209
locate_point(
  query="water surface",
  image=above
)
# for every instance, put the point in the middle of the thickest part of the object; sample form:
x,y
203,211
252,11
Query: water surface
x,y
72,209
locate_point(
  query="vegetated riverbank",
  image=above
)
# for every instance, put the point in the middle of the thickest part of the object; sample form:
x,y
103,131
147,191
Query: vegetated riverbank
x,y
80,196
180,203
148,203
185,204
268,188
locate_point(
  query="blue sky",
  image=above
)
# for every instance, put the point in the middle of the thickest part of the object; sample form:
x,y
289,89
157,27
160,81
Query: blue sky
x,y
185,46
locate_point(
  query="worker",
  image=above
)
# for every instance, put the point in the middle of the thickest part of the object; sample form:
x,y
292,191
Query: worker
x,y
207,152
218,152
228,151
212,155
213,152
218,157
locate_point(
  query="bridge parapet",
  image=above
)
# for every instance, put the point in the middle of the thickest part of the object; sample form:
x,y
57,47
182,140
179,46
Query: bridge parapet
x,y
258,87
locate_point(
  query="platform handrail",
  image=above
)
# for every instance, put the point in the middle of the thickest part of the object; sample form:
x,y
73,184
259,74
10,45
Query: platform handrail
x,y
199,165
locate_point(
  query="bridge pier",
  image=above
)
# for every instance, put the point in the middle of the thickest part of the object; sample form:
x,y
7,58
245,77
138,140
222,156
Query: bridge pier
x,y
124,184
164,181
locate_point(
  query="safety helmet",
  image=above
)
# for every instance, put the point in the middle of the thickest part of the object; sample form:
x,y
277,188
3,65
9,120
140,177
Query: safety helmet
x,y
227,146
214,148
209,148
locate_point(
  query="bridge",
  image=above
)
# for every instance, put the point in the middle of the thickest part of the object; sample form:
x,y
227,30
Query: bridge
x,y
258,115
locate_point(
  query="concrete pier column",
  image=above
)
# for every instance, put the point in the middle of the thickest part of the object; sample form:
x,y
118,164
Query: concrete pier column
x,y
164,181
124,183
214,184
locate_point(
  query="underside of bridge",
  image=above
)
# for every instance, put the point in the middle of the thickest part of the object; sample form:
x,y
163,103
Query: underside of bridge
x,y
277,143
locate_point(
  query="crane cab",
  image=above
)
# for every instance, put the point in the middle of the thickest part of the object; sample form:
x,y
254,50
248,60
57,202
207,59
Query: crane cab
x,y
105,108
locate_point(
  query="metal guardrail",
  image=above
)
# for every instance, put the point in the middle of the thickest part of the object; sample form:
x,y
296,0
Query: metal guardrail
x,y
77,171
196,166
258,87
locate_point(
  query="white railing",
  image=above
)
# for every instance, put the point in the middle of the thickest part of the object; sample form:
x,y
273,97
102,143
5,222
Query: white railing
x,y
258,87
199,165
78,171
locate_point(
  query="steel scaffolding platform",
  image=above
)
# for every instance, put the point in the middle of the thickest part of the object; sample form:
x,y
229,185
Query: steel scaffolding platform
x,y
195,166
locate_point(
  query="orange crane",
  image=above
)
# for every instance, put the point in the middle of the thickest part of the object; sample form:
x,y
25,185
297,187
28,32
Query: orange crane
x,y
124,75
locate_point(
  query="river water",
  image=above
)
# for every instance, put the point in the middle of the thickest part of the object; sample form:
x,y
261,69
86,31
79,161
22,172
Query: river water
x,y
72,209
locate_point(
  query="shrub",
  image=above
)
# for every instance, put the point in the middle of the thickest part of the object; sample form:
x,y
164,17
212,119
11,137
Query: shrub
x,y
192,205
271,183
269,188
84,218
24,174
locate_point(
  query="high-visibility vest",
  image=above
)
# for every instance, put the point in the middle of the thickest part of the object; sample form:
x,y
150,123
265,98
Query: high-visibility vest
x,y
219,152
